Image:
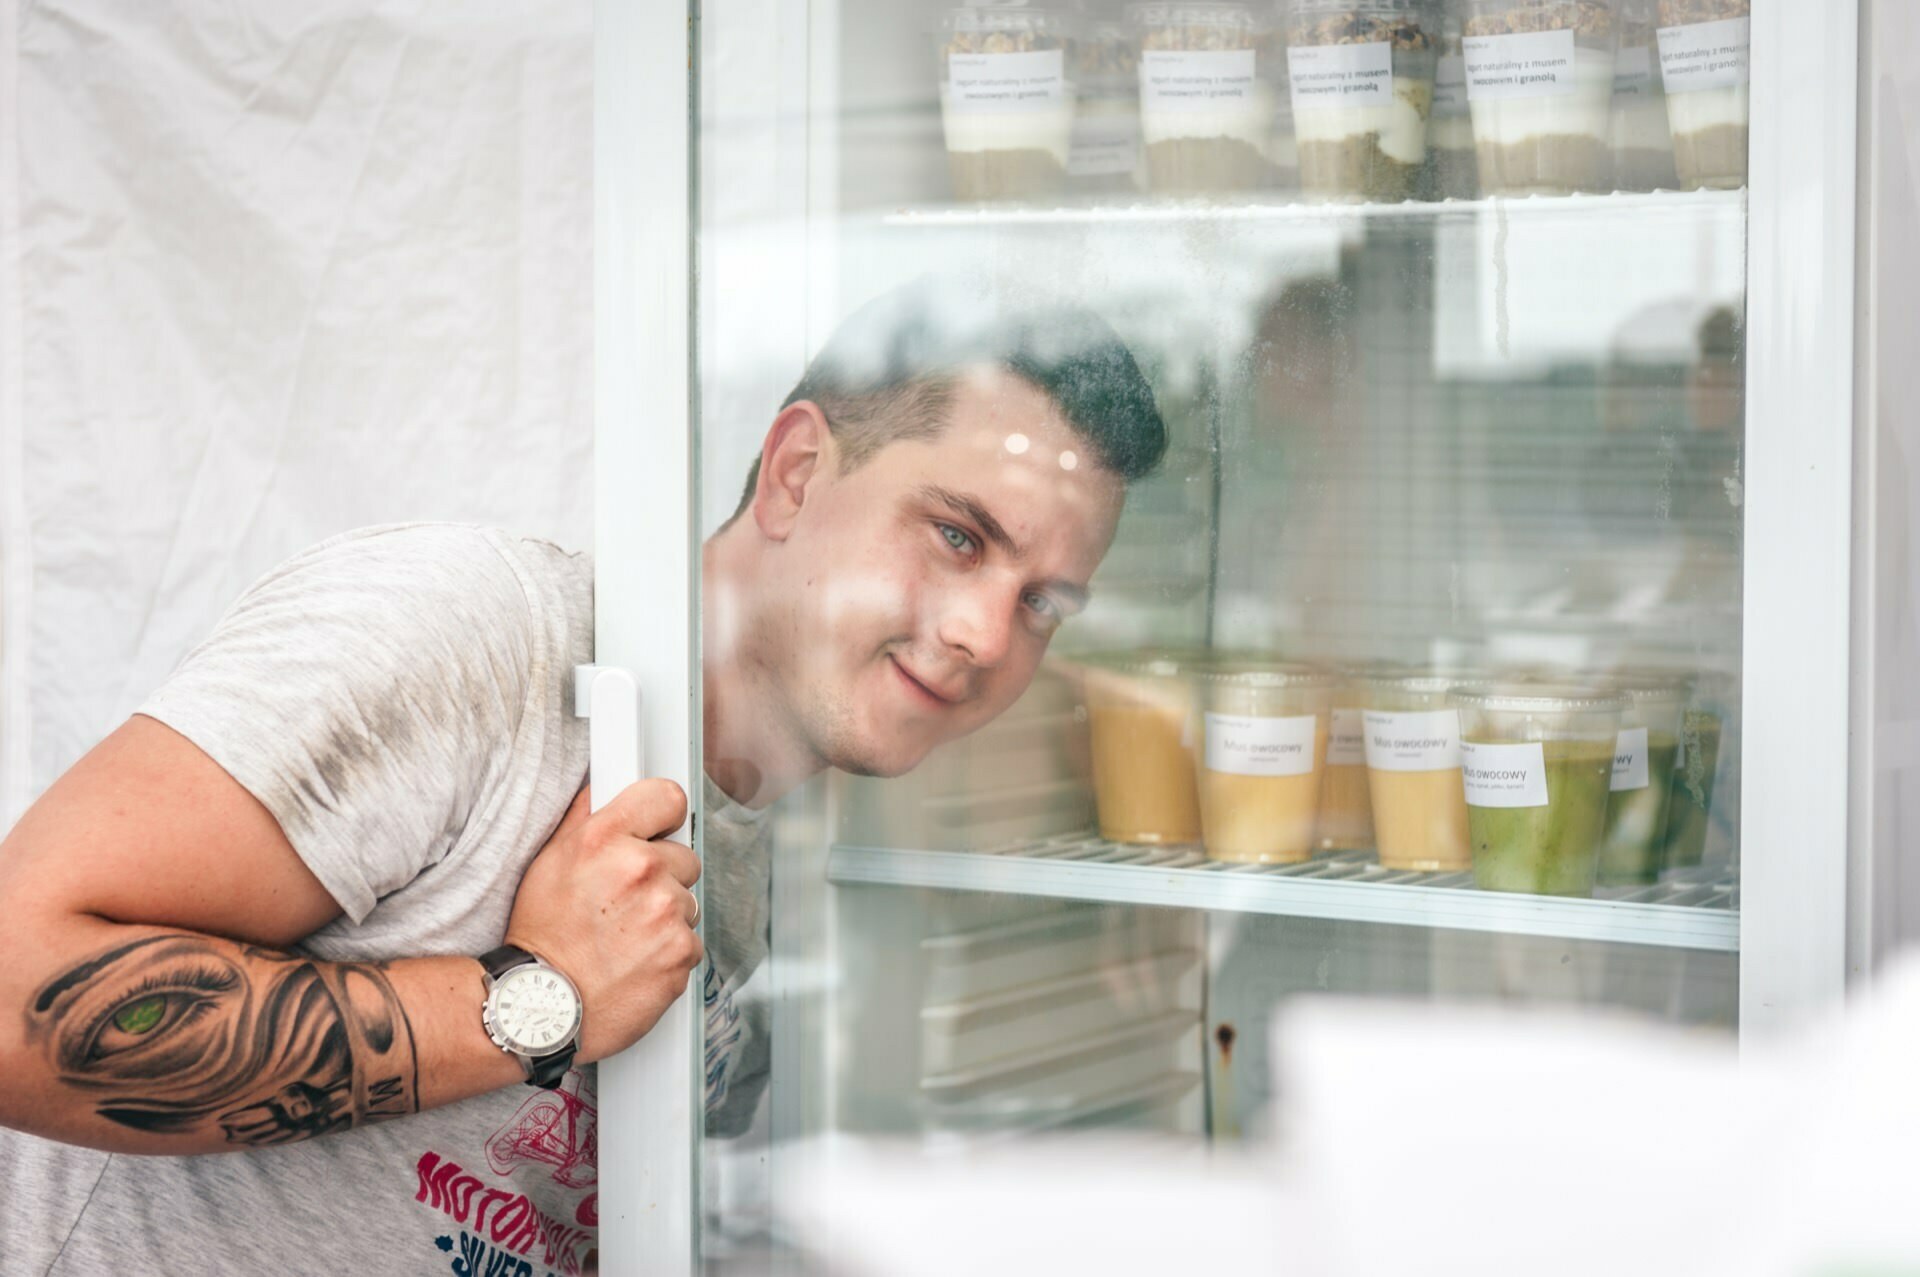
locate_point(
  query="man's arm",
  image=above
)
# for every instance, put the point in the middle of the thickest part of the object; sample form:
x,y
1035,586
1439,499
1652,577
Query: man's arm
x,y
146,1005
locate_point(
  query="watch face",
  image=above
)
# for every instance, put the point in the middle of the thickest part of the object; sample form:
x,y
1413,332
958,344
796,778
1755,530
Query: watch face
x,y
535,1009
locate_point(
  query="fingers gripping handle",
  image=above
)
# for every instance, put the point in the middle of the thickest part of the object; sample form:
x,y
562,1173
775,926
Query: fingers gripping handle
x,y
610,697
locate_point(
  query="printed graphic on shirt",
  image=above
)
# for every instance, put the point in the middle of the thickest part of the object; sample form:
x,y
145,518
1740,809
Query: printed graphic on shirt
x,y
503,1231
723,1035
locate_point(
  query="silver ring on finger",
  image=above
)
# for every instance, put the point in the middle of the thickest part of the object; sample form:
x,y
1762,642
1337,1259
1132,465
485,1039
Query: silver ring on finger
x,y
695,920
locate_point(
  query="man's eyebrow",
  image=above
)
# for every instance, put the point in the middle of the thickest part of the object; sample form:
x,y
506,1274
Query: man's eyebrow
x,y
961,503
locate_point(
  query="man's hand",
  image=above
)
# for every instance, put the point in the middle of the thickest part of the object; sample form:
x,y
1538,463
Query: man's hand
x,y
607,901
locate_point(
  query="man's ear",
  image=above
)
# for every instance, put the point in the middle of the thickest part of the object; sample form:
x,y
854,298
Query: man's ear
x,y
798,449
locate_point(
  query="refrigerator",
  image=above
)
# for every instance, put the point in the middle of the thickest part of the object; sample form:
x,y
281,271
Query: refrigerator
x,y
1535,432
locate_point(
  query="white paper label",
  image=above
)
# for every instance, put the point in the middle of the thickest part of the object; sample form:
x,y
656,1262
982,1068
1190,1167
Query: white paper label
x,y
1346,739
1705,55
1504,775
1187,80
1533,64
1243,746
1421,741
1630,760
1104,144
1633,73
1341,75
1450,87
1007,83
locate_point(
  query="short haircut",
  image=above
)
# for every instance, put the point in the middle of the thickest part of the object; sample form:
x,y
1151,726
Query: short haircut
x,y
889,371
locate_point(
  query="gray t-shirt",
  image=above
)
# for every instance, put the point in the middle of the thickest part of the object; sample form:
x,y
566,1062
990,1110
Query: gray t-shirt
x,y
401,700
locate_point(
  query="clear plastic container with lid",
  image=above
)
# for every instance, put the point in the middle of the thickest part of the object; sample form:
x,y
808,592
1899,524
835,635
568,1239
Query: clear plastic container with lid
x,y
1345,822
1642,145
1140,720
1361,74
1691,812
1540,87
1007,98
1633,848
1105,154
1412,745
1453,171
1704,52
1206,105
1263,734
1537,764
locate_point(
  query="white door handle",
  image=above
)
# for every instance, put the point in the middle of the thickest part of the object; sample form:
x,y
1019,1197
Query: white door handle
x,y
610,697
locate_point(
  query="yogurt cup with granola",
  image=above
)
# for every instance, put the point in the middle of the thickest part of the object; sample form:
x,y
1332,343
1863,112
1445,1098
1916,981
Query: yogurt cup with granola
x,y
1104,156
1362,79
1453,170
1540,86
1006,99
1704,56
1642,146
1206,109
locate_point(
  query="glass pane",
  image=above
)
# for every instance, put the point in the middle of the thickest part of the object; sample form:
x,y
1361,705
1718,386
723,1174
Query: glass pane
x,y
1385,409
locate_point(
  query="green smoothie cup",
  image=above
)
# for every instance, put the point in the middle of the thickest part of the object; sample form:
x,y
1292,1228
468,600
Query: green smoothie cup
x,y
1633,850
1690,812
1537,762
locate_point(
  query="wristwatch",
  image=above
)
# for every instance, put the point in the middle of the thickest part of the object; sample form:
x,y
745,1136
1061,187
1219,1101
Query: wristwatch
x,y
532,1012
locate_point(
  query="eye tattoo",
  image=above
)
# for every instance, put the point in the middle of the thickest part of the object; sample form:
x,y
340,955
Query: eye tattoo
x,y
182,1034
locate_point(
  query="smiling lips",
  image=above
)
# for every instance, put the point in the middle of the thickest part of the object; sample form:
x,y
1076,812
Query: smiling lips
x,y
921,689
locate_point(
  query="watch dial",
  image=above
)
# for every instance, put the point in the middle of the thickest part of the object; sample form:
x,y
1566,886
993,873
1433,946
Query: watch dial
x,y
535,1009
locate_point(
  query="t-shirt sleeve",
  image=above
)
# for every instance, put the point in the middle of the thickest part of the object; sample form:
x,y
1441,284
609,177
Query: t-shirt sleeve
x,y
366,692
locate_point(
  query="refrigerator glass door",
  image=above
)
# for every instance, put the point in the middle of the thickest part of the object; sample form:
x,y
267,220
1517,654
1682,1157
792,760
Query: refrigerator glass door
x,y
1195,507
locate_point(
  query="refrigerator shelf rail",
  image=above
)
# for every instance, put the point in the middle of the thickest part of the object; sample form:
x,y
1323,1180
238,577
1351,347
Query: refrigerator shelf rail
x,y
1695,909
1630,208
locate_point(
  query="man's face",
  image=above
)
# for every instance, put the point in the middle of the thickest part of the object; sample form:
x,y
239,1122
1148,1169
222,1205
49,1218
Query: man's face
x,y
921,587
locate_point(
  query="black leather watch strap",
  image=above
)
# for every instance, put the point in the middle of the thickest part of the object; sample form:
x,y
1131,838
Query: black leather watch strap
x,y
545,1071
504,959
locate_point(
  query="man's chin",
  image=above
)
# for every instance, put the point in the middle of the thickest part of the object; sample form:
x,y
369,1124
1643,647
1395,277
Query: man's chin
x,y
882,764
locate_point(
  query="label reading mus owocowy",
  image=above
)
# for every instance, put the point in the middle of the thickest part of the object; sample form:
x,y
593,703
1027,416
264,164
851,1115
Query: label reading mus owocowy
x,y
1504,775
1105,142
1196,80
1633,73
1630,759
1346,739
1007,83
1705,55
1244,746
1415,741
1534,64
1450,87
1325,75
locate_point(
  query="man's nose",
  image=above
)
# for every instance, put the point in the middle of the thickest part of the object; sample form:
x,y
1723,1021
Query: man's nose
x,y
978,619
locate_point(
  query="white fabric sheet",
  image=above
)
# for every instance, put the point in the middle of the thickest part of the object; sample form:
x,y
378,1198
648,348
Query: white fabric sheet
x,y
285,267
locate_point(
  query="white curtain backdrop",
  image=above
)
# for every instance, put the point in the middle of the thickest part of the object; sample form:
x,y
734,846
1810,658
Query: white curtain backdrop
x,y
269,270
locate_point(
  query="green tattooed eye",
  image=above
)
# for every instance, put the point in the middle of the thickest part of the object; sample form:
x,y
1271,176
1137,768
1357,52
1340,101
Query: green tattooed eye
x,y
141,1016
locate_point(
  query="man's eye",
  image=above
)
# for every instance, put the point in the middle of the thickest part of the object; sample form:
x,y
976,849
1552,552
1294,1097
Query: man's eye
x,y
955,537
1043,606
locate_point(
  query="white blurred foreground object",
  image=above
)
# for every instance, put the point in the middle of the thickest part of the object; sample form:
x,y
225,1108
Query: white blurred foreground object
x,y
1433,1141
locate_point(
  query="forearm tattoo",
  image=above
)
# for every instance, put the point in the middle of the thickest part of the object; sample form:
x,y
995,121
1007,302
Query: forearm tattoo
x,y
173,1032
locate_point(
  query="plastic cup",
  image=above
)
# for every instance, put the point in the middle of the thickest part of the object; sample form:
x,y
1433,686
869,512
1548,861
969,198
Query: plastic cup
x,y
1141,723
1206,108
1633,849
1361,77
1690,810
1642,144
1537,761
1007,99
1104,157
1453,169
1346,805
1263,742
1704,63
1540,86
1412,748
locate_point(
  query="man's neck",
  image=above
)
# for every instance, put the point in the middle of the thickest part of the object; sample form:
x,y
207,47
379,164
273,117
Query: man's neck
x,y
752,751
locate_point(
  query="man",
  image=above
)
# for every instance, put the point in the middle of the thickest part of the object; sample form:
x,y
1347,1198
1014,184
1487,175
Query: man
x,y
251,916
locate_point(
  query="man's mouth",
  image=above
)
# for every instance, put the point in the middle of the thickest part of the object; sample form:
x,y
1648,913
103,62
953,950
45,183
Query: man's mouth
x,y
920,689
